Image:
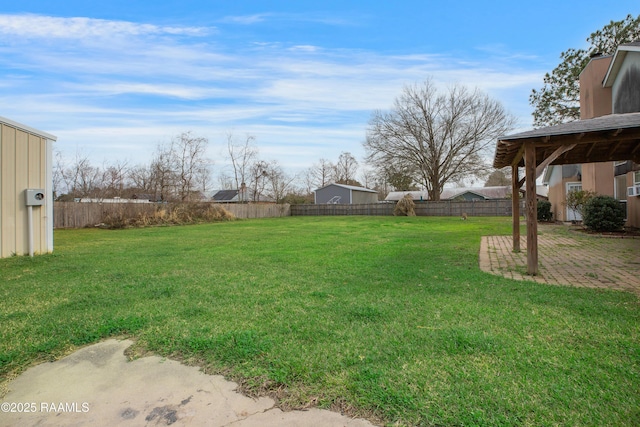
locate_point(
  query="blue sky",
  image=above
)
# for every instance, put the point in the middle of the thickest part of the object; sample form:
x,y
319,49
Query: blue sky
x,y
114,79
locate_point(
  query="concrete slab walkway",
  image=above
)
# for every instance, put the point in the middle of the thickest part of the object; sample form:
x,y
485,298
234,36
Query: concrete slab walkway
x,y
98,386
567,258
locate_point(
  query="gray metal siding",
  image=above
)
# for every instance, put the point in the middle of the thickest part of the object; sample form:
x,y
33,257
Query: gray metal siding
x,y
360,197
323,195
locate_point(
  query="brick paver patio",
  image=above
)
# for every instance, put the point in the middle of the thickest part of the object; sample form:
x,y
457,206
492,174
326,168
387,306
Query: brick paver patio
x,y
567,258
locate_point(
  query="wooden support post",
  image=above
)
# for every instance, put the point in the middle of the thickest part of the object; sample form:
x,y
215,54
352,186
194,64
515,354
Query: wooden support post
x,y
515,207
532,208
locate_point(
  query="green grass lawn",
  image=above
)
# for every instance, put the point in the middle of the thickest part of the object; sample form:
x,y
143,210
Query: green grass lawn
x,y
388,318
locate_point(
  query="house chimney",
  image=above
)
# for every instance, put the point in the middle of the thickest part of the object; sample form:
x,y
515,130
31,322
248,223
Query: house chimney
x,y
595,100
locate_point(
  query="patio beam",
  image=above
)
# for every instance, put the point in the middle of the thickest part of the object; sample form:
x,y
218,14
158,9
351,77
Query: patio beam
x,y
515,207
557,153
518,156
546,162
615,147
532,211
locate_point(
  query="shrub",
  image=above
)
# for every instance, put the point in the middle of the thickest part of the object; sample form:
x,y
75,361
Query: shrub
x,y
170,214
405,206
544,210
577,199
603,213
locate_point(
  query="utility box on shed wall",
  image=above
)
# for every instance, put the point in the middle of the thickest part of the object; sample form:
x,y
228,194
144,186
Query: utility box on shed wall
x,y
34,197
25,164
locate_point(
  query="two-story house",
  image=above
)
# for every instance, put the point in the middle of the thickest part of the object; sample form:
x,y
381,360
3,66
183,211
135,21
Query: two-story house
x,y
608,85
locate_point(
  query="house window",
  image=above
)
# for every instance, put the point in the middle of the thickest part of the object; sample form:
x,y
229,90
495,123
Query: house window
x,y
621,187
636,177
574,186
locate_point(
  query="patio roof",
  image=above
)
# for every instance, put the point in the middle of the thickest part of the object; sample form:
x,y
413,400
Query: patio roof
x,y
608,138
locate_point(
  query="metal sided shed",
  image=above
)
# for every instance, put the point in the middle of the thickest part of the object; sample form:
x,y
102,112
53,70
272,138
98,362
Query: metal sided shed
x,y
345,194
26,217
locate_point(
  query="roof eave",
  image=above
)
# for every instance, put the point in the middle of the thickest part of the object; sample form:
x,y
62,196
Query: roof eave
x,y
28,129
614,68
616,63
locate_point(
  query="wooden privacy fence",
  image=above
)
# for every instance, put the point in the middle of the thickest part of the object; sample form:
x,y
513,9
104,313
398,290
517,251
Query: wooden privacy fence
x,y
500,207
244,210
381,209
79,215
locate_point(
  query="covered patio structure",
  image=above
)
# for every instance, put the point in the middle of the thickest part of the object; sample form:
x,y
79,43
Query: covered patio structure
x,y
615,137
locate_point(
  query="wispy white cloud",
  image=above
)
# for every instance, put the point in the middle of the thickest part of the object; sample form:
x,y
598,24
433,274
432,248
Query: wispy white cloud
x,y
261,18
101,83
304,48
186,92
246,19
38,26
502,51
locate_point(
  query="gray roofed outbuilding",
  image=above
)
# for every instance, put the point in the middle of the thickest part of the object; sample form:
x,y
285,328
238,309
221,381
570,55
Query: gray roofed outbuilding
x,y
344,194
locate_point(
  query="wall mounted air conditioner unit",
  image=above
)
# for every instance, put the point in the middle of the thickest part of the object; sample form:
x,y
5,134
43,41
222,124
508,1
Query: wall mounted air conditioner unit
x,y
634,190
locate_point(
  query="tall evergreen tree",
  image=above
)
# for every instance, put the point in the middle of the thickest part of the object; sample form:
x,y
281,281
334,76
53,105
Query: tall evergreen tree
x,y
558,101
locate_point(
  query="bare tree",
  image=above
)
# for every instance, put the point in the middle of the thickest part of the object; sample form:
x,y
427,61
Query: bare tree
x,y
243,156
442,136
226,182
307,181
344,171
58,175
189,162
81,179
279,183
114,179
163,175
179,169
203,178
258,174
321,173
369,178
373,179
142,179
